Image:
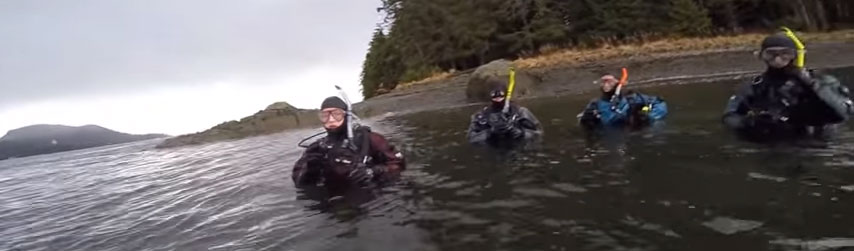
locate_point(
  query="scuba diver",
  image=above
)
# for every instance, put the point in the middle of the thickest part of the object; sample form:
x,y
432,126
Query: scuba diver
x,y
614,109
786,100
503,123
349,155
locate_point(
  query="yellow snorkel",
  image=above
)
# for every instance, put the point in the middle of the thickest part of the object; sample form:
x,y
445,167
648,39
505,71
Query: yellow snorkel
x,y
799,60
510,90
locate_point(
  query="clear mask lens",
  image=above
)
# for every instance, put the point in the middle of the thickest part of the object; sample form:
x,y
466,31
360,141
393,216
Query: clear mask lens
x,y
336,115
785,54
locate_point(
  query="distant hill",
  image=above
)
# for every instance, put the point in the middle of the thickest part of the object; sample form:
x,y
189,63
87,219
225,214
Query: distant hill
x,y
276,117
42,139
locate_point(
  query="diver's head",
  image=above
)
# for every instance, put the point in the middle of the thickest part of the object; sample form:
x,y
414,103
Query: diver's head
x,y
608,85
497,93
778,51
333,113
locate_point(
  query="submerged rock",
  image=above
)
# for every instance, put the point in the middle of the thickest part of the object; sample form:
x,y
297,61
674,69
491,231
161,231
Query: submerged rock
x,y
760,176
822,244
729,226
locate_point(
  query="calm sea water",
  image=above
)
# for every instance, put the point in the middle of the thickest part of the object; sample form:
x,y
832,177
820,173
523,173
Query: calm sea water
x,y
685,185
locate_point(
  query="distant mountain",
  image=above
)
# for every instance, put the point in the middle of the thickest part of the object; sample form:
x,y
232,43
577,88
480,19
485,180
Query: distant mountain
x,y
42,139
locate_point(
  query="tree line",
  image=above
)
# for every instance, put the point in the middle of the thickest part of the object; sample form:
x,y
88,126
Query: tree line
x,y
420,37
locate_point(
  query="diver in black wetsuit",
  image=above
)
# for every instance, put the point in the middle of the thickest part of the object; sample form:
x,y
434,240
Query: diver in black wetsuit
x,y
786,100
338,161
492,126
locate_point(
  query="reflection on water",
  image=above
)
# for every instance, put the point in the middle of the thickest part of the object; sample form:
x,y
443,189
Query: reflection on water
x,y
684,185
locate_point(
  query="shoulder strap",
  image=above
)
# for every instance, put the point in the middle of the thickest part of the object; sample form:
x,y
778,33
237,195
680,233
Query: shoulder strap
x,y
364,151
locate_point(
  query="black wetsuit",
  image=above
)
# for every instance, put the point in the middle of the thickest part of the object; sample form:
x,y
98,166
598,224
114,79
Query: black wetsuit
x,y
492,126
332,160
778,104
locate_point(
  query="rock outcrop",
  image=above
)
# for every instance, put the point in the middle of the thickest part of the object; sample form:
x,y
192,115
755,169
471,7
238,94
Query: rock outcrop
x,y
480,83
275,118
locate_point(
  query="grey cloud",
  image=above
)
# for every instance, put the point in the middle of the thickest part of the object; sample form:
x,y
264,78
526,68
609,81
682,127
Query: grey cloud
x,y
59,48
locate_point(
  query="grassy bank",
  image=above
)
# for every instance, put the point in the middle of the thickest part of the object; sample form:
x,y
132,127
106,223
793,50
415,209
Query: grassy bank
x,y
551,56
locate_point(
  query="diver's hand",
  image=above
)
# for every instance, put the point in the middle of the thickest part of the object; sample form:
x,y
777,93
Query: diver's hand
x,y
590,118
314,156
314,161
764,119
503,124
362,175
499,123
804,77
516,132
594,113
481,123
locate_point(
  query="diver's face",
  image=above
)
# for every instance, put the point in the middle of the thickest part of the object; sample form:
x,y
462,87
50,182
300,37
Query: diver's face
x,y
778,57
332,118
608,83
497,96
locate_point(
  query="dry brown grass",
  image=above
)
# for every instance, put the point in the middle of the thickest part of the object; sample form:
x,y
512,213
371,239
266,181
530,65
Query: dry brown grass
x,y
436,76
840,36
663,46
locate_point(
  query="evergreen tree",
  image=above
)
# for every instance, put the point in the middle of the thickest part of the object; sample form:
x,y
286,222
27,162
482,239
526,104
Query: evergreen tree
x,y
420,37
688,18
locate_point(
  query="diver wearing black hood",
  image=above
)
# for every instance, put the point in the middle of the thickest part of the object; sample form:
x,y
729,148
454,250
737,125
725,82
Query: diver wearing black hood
x,y
492,126
339,163
339,132
786,100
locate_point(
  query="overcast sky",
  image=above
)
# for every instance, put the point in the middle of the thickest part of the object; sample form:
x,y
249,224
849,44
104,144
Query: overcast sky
x,y
174,66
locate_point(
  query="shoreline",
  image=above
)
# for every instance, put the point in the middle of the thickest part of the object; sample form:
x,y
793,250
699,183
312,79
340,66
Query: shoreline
x,y
569,79
664,68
